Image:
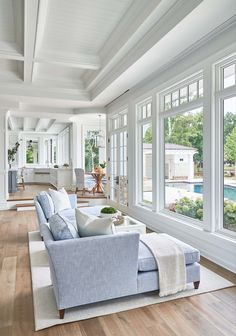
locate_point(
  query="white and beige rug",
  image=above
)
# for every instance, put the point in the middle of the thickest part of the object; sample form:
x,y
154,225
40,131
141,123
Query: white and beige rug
x,y
45,310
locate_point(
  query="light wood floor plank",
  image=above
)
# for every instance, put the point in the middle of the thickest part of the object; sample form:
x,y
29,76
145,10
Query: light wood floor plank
x,y
206,314
7,291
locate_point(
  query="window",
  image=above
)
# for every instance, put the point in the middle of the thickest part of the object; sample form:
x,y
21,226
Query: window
x,y
64,146
91,151
229,76
144,114
32,149
118,159
50,151
226,123
183,149
185,94
229,203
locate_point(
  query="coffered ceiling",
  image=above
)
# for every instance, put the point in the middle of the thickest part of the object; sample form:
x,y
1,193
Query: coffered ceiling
x,y
73,54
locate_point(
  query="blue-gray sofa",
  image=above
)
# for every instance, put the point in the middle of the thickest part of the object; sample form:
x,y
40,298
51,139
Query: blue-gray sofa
x,y
98,268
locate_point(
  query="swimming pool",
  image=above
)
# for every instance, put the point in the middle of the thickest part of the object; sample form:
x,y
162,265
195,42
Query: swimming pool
x,y
229,192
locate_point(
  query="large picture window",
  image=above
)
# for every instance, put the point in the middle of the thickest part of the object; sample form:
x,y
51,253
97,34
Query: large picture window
x,y
182,138
229,217
183,134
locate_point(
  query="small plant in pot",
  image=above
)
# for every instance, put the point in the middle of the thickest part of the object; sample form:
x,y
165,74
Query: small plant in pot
x,y
109,212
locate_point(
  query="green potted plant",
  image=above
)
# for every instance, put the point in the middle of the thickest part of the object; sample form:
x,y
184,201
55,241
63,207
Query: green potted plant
x,y
108,212
12,153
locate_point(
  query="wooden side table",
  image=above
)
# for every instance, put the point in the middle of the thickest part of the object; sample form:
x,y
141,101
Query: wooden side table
x,y
98,188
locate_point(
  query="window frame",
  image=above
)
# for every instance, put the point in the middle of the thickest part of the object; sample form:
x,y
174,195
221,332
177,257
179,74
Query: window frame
x,y
140,122
221,95
119,116
175,111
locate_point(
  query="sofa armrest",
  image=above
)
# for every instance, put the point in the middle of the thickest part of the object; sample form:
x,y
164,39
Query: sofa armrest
x,y
73,200
92,269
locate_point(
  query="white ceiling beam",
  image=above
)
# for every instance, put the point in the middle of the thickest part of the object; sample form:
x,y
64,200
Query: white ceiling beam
x,y
19,91
41,24
38,125
82,61
31,17
51,123
42,115
11,123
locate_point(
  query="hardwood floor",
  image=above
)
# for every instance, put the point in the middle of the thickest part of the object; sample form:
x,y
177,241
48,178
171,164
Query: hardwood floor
x,y
206,314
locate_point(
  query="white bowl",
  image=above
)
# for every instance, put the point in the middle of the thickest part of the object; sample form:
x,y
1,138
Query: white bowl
x,y
104,215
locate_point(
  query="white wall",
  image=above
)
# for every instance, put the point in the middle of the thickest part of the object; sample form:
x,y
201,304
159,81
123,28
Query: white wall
x,y
215,246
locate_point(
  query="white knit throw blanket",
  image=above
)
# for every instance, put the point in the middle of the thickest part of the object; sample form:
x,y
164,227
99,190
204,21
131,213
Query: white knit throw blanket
x,y
170,261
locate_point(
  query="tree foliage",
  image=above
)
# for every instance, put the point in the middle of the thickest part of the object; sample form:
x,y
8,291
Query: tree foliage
x,y
91,154
186,130
230,147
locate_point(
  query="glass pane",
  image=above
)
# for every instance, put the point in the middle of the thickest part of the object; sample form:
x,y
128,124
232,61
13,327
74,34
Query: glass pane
x,y
200,88
184,163
183,95
229,76
192,91
147,163
167,102
91,151
175,99
230,164
149,110
144,112
32,152
125,120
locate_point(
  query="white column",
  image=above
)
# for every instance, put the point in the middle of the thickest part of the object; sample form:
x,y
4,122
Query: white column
x,y
77,147
3,160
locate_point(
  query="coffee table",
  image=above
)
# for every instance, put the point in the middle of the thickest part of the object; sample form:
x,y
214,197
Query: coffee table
x,y
131,224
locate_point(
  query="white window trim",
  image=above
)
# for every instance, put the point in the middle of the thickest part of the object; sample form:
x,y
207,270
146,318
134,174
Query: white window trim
x,y
139,152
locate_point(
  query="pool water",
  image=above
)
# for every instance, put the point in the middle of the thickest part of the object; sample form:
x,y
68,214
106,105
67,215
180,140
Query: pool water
x,y
229,192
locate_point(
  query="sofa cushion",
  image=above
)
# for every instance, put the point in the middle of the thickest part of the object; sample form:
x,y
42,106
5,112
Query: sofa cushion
x,y
146,261
62,228
60,199
68,214
46,203
91,225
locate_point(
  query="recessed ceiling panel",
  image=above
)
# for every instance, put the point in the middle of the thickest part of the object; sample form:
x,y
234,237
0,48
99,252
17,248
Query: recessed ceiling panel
x,y
81,26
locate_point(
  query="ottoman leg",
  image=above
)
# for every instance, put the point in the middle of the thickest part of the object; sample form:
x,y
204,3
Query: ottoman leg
x,y
196,284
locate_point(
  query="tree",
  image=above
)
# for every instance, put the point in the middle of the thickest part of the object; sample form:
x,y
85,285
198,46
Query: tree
x,y
230,148
186,130
148,135
229,123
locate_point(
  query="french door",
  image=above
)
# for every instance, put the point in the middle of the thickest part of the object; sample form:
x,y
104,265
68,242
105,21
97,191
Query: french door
x,y
118,167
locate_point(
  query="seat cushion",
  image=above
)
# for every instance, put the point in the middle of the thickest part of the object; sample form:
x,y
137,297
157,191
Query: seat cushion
x,y
146,261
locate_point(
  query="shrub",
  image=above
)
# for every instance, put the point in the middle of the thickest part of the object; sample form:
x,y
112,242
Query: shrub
x,y
108,210
194,209
190,208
